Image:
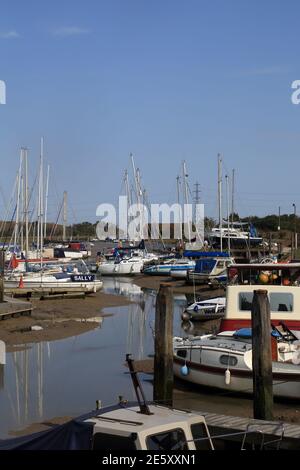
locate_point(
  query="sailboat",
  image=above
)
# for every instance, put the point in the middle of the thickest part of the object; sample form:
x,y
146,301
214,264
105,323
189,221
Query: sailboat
x,y
57,280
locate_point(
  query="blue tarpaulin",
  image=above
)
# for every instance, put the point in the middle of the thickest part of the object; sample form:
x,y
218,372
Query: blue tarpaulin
x,y
205,254
73,435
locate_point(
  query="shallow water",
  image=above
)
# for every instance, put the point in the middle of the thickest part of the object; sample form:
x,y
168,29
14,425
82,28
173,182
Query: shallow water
x,y
66,377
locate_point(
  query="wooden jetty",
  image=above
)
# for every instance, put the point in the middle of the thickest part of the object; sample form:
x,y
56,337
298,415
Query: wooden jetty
x,y
261,433
46,292
13,307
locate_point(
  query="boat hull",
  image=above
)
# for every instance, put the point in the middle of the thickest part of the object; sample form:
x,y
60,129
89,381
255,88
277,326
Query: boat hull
x,y
58,286
284,385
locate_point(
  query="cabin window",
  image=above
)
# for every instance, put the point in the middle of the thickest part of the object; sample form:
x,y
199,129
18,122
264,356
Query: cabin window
x,y
104,441
181,353
281,302
171,440
228,360
245,300
199,431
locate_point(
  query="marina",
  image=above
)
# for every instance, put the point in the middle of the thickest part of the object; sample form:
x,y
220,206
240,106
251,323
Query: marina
x,y
149,230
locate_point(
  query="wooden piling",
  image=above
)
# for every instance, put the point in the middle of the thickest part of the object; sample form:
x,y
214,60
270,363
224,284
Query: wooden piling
x,y
2,265
261,356
163,360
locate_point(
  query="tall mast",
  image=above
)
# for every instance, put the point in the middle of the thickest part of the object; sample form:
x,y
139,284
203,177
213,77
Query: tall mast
x,y
185,175
220,198
26,202
232,197
18,201
228,222
65,215
46,201
22,195
127,188
178,189
41,197
135,178
137,188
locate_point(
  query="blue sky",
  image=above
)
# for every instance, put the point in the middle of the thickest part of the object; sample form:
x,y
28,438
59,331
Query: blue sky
x,y
164,79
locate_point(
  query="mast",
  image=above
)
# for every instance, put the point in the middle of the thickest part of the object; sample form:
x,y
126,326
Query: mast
x,y
220,198
232,197
18,201
22,195
128,195
228,222
26,202
46,201
127,188
185,175
41,201
64,215
178,189
136,183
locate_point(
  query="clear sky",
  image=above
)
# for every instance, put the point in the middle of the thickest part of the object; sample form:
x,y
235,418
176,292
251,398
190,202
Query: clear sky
x,y
164,79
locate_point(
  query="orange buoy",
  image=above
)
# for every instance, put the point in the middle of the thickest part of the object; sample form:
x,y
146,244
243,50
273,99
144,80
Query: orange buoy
x,y
264,278
21,283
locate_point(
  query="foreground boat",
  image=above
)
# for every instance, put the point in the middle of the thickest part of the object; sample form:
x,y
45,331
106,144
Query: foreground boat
x,y
281,281
125,426
224,361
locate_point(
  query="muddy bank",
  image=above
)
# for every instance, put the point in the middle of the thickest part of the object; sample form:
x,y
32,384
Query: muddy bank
x,y
178,286
59,318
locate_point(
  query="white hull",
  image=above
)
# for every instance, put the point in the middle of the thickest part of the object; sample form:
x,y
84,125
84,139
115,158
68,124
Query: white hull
x,y
73,254
224,361
179,274
62,285
281,388
120,269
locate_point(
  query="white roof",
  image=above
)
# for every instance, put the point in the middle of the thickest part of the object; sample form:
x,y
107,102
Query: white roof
x,y
128,420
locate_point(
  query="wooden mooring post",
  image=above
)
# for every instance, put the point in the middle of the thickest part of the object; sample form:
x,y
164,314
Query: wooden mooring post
x,y
2,265
163,360
261,356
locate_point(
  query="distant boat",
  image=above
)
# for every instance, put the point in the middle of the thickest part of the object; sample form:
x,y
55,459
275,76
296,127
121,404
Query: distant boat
x,y
210,269
237,236
203,310
181,265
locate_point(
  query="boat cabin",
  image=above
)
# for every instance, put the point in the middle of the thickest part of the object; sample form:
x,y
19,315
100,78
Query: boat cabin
x,y
281,281
163,429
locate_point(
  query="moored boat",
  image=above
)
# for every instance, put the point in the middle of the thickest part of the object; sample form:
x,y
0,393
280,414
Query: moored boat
x,y
281,282
202,310
224,361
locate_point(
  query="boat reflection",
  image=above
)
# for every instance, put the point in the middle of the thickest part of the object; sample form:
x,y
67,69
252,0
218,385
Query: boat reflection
x,y
122,286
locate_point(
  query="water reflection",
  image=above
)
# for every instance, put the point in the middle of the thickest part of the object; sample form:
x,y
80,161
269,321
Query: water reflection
x,y
66,377
122,286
